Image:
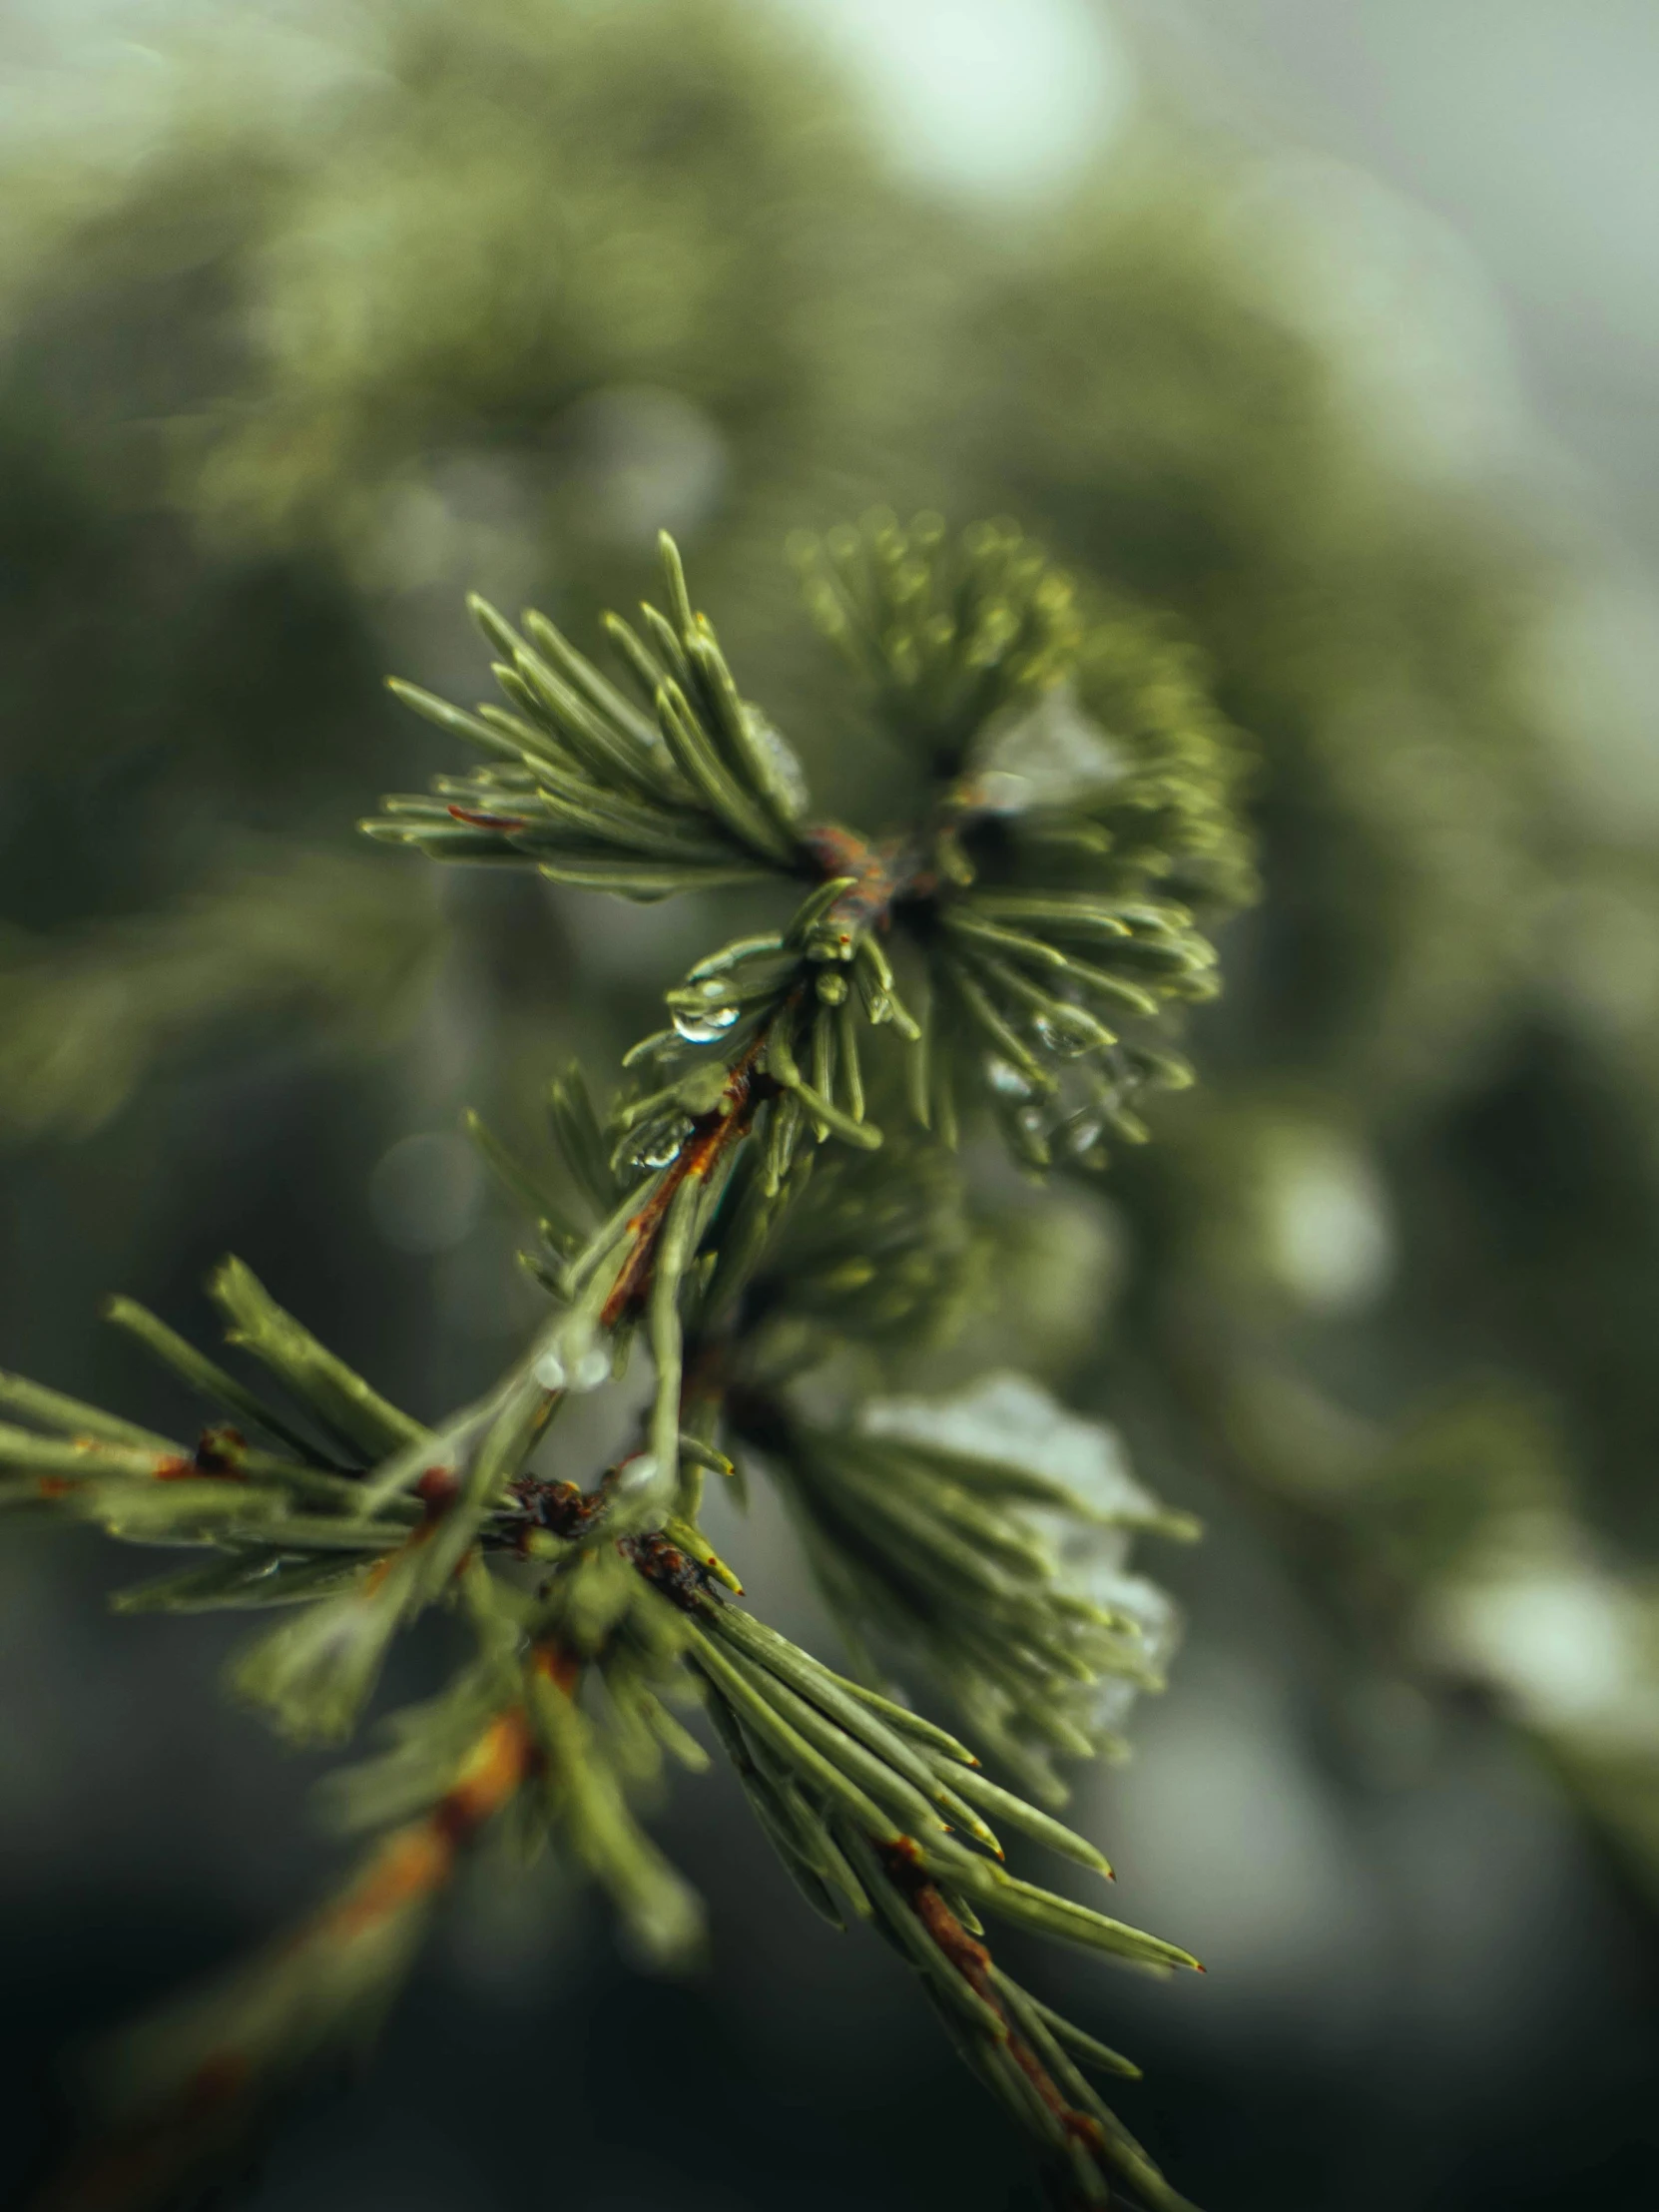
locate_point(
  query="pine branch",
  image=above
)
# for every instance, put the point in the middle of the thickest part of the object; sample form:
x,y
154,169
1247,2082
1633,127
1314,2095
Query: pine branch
x,y
751,1199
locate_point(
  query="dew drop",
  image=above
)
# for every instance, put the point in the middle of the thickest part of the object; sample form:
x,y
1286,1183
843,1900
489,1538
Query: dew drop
x,y
1083,1134
1004,1078
661,1145
592,1368
704,1028
1063,1038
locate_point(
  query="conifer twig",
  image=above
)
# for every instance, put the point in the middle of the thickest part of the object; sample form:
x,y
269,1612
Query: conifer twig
x,y
753,1201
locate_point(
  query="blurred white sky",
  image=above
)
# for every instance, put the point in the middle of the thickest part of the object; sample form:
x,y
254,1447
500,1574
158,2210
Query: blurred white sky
x,y
1531,126
989,97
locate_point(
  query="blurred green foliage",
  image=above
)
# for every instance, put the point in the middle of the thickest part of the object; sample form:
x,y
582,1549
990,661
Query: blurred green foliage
x,y
503,286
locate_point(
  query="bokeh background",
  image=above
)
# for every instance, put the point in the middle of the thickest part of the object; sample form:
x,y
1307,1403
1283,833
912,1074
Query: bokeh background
x,y
1335,331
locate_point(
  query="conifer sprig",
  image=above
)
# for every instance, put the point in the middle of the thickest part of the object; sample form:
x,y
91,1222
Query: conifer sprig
x,y
973,1550
695,791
